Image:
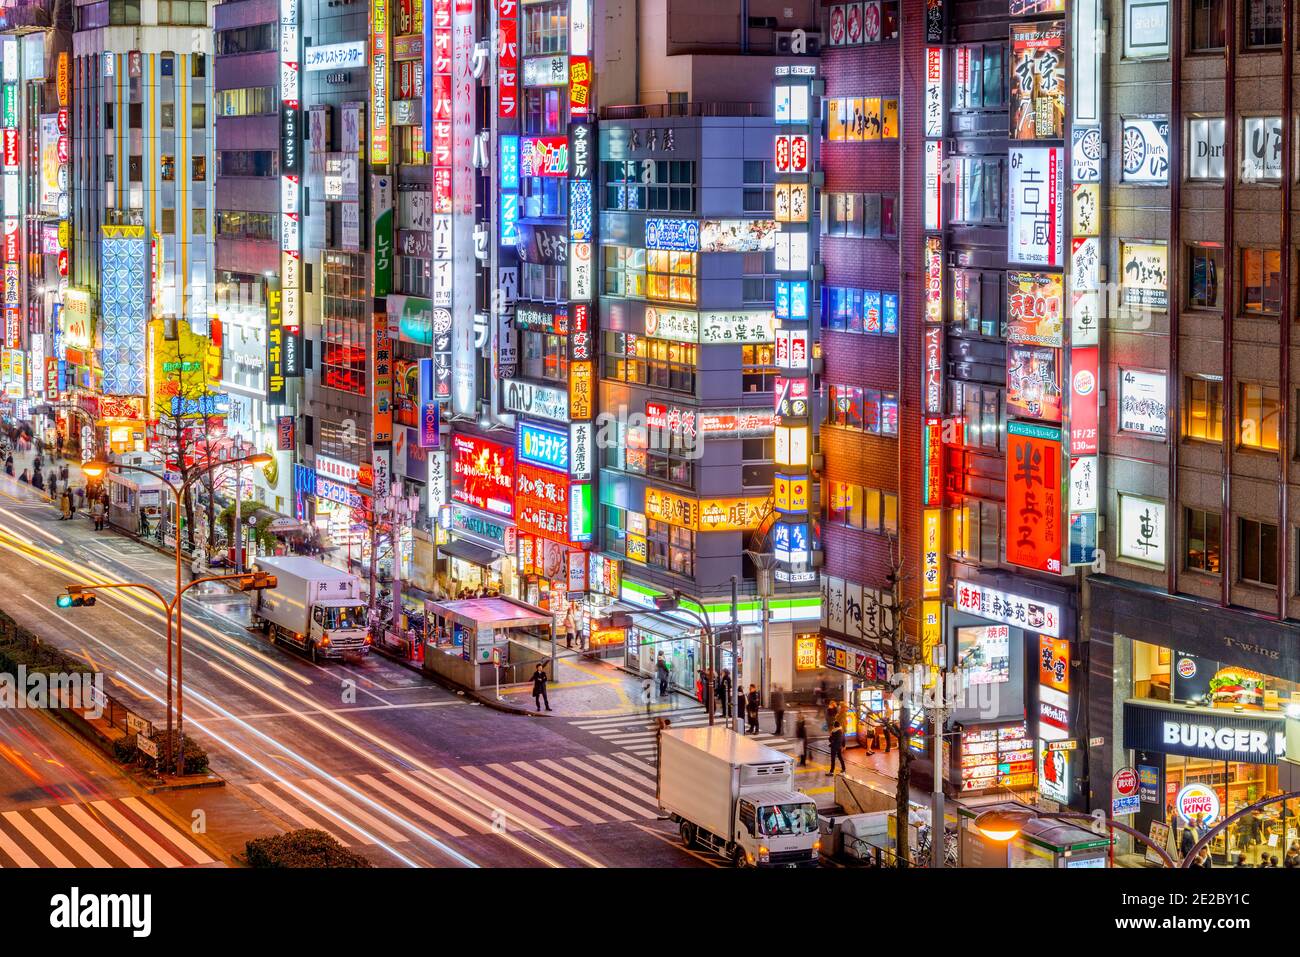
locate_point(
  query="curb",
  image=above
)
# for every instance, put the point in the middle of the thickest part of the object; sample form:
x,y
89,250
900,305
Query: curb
x,y
477,696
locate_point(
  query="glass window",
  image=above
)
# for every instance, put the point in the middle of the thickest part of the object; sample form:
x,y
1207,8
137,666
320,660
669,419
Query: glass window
x,y
246,101
1257,552
1203,265
546,28
1202,536
1259,410
1263,23
670,276
1261,288
1204,412
344,321
1209,24
624,271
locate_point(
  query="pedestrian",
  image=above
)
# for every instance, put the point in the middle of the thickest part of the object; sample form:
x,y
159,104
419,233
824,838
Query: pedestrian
x,y
741,705
79,495
1187,840
9,464
777,701
51,482
65,506
72,503
751,711
832,713
58,445
706,688
699,686
836,743
801,735
37,462
885,730
723,691
144,522
647,694
819,694
664,670
539,688
97,514
570,628
38,480
23,478
1292,855
63,474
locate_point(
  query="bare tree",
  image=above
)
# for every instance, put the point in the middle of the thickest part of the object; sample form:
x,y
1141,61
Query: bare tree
x,y
902,652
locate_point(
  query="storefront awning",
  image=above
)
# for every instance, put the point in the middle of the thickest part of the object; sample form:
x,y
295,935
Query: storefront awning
x,y
469,552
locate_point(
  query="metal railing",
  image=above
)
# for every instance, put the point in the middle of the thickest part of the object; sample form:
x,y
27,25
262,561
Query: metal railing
x,y
660,111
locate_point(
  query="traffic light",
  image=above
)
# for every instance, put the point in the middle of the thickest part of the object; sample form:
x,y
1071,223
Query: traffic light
x,y
255,581
76,598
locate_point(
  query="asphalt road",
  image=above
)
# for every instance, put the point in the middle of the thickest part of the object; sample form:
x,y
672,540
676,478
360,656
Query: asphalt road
x,y
398,768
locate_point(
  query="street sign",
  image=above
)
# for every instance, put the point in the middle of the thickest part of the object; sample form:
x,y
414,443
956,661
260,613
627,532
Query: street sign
x,y
148,745
496,656
1062,745
1124,805
1126,782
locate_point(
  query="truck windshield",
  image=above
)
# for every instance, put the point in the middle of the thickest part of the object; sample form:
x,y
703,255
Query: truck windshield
x,y
353,616
785,819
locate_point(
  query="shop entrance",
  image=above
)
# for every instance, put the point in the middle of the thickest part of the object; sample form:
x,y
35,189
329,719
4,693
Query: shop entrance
x,y
1263,834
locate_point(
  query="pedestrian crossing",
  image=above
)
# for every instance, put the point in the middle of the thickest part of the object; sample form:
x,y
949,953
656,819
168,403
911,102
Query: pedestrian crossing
x,y
638,734
116,832
457,802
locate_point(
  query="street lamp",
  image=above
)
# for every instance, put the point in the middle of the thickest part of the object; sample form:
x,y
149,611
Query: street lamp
x,y
1003,824
97,469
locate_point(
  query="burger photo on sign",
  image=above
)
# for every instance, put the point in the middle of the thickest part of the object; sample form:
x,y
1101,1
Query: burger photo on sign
x,y
1232,687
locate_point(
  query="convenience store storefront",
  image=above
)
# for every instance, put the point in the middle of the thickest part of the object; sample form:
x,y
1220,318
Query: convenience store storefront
x,y
1199,713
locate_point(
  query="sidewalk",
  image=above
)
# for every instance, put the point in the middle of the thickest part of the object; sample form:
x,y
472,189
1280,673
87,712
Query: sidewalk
x,y
588,687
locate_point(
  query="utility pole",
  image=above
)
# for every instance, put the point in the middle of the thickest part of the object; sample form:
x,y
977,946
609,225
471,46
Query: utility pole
x,y
938,831
735,657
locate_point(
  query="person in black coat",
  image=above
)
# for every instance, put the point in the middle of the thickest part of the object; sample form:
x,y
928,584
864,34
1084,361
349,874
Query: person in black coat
x,y
836,743
723,692
801,735
539,688
777,700
751,711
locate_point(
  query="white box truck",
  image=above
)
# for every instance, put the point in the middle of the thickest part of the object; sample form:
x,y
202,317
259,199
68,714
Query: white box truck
x,y
737,797
313,607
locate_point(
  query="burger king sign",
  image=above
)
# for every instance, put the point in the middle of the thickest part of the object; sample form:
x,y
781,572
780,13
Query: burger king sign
x,y
1197,803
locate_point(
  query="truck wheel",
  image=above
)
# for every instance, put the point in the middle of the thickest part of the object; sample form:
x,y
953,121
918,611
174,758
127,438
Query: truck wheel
x,y
272,633
688,834
738,857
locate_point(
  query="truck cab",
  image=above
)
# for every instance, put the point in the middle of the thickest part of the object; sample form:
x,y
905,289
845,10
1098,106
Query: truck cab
x,y
777,829
339,628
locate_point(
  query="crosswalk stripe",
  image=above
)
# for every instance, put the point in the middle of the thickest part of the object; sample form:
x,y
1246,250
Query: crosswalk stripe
x,y
16,853
369,820
419,809
575,794
70,838
640,787
174,835
291,812
37,839
141,839
103,835
494,801
447,802
585,777
533,786
629,766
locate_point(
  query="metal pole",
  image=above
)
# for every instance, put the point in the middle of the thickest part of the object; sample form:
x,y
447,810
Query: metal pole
x,y
938,831
735,657
179,742
238,527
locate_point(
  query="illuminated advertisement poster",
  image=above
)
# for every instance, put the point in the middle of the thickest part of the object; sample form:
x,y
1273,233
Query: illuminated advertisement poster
x,y
681,235
581,214
933,185
984,654
1006,607
543,402
737,235
1036,206
483,475
123,308
933,279
1034,382
1145,144
427,399
382,410
1033,496
932,553
1144,274
507,84
1142,398
379,70
792,202
546,447
288,289
1085,209
1038,80
934,92
438,102
933,369
582,390
543,500
1035,309
580,77
464,218
275,391
49,145
381,201
704,515
792,153
544,156
1084,410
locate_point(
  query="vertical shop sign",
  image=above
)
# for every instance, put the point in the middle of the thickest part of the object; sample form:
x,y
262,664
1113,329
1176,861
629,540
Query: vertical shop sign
x,y
379,82
1033,496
